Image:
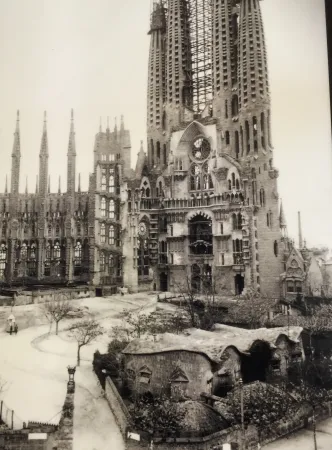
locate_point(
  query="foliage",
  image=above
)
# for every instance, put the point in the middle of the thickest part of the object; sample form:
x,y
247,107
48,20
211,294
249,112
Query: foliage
x,y
106,365
263,404
85,332
252,309
156,415
202,308
57,310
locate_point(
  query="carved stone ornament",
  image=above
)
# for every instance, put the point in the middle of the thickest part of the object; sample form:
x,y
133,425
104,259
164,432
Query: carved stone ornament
x,y
221,173
274,173
294,272
168,181
142,230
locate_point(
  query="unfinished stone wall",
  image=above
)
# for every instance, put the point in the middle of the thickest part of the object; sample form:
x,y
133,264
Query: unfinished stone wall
x,y
34,437
196,367
117,406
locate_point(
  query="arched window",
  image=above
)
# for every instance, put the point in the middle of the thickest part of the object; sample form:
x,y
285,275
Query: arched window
x,y
247,136
195,178
152,151
111,235
237,184
102,262
78,253
165,154
200,235
3,260
235,106
111,184
103,182
103,207
237,145
207,178
158,151
229,185
233,180
237,251
262,130
57,250
227,137
262,197
276,248
111,210
269,219
242,140
24,251
226,109
102,233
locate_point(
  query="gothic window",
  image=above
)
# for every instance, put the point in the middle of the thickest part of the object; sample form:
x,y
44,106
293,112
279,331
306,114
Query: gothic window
x,y
145,189
200,235
102,233
57,250
226,109
290,286
233,180
237,184
3,260
78,253
102,262
57,230
269,219
158,151
201,149
207,179
229,185
262,197
221,228
111,210
275,248
163,252
247,136
262,130
103,182
111,184
111,235
103,157
165,154
237,221
195,178
103,207
237,251
143,257
24,251
227,136
47,264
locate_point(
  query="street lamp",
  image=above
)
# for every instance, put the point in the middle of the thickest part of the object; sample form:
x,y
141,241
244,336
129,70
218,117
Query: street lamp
x,y
71,382
242,410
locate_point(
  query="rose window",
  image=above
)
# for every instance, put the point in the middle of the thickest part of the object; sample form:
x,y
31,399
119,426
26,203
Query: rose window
x,y
201,149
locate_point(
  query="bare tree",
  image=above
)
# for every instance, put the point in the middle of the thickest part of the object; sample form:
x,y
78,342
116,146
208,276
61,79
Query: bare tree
x,y
85,332
57,310
252,309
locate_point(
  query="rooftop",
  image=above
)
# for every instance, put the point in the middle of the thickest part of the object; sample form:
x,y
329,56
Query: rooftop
x,y
211,343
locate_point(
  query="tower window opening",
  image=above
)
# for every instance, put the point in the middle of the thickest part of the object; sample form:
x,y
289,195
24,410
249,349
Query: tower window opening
x,y
165,154
275,248
235,106
262,197
237,145
226,109
200,235
227,136
111,238
158,152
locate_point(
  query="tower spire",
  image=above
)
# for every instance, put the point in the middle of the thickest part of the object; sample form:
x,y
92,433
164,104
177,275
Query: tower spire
x,y
36,184
26,186
282,219
49,184
6,185
16,158
122,123
59,186
71,158
100,126
79,182
300,230
43,161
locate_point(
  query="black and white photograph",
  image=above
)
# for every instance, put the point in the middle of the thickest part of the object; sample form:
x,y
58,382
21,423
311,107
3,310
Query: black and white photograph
x,y
165,225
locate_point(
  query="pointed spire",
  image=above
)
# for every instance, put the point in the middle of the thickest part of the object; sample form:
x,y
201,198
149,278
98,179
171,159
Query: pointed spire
x,y
71,143
36,184
59,187
6,185
79,182
141,148
72,121
26,186
282,218
300,231
44,143
122,123
100,126
49,184
115,125
108,124
18,121
17,146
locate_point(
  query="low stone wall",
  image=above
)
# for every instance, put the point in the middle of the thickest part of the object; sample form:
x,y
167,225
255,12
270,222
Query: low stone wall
x,y
233,436
117,406
34,437
35,297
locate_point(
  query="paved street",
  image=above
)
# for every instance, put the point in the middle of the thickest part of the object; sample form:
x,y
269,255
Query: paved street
x,y
36,370
303,439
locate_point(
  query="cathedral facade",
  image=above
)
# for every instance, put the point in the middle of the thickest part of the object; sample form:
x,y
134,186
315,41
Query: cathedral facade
x,y
207,189
201,208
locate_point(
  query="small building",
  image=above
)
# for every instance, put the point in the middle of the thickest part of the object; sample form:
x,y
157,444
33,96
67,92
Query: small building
x,y
210,361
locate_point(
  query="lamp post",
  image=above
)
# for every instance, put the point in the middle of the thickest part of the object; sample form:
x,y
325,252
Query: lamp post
x,y
71,382
242,410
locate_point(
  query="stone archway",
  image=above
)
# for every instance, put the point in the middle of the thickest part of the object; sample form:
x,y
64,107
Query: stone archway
x,y
256,366
163,282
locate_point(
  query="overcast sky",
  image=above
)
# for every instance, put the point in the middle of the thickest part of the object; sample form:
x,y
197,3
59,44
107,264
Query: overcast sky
x,y
91,55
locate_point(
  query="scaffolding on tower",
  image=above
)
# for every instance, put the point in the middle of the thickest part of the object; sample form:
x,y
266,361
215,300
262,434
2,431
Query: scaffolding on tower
x,y
200,19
